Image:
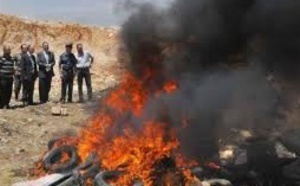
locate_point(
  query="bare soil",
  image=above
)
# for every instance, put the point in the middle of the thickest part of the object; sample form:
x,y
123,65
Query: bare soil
x,y
25,132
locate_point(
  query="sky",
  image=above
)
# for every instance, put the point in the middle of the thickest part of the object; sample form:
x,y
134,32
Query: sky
x,y
94,12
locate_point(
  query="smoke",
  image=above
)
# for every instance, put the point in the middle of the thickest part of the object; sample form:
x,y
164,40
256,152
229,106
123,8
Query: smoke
x,y
215,102
210,31
278,24
199,43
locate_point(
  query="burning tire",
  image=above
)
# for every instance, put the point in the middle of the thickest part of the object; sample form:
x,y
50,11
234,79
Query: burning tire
x,y
102,177
51,143
52,160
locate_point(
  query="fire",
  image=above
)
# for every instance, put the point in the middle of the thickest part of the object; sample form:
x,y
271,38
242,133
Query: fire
x,y
64,158
67,140
170,87
131,96
123,139
133,150
138,152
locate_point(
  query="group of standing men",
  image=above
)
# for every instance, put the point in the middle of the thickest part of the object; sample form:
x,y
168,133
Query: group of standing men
x,y
24,69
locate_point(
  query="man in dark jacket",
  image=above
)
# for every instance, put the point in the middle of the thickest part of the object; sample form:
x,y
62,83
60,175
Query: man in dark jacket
x,y
46,61
6,77
67,66
17,75
28,75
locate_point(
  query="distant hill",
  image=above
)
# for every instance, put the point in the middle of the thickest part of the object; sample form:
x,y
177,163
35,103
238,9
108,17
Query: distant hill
x,y
102,42
14,31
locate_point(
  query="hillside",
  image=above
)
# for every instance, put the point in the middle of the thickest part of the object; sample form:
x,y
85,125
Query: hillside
x,y
15,31
24,132
101,42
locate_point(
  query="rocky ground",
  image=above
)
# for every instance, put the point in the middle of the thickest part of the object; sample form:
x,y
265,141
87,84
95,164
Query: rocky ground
x,y
24,132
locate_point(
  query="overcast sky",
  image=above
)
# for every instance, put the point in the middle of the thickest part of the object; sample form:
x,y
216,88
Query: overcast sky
x,y
99,12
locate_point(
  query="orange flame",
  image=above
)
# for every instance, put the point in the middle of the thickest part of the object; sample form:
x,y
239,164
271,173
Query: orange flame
x,y
170,87
122,145
138,152
134,150
64,158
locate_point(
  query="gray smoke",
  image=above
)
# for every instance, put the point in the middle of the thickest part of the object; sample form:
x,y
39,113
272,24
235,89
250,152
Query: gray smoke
x,y
213,104
198,43
210,31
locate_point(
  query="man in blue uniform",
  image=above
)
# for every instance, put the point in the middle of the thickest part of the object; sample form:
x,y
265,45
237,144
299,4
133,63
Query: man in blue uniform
x,y
67,67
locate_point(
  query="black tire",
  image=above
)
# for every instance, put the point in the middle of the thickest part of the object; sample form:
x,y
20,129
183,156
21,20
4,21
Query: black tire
x,y
53,156
51,143
102,177
92,171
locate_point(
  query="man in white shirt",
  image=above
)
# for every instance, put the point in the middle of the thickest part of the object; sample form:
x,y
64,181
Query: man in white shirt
x,y
85,61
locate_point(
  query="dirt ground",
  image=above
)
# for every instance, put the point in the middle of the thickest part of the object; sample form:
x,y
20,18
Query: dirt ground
x,y
25,132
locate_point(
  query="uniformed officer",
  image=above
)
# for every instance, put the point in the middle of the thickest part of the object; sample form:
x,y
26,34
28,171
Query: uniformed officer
x,y
67,68
6,77
17,75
